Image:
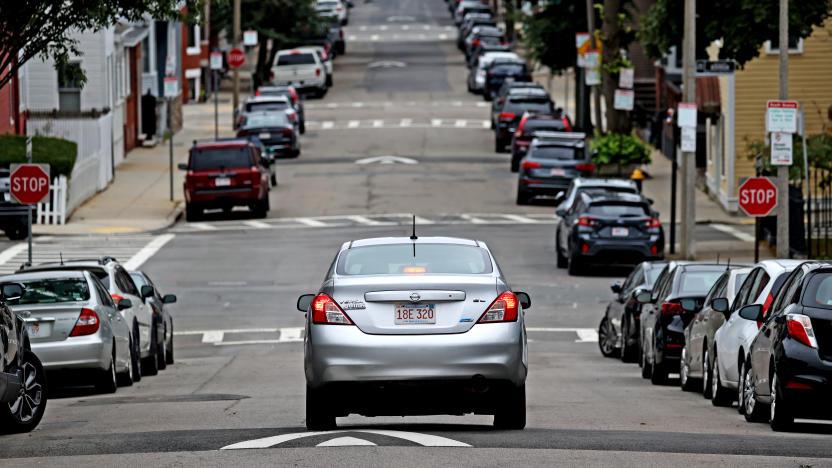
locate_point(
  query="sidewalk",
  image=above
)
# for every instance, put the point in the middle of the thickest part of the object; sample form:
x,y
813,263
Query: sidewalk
x,y
138,198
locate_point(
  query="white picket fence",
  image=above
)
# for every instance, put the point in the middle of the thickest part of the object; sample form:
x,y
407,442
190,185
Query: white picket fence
x,y
54,210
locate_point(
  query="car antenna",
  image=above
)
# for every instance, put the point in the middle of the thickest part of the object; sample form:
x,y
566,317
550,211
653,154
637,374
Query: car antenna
x,y
61,254
413,236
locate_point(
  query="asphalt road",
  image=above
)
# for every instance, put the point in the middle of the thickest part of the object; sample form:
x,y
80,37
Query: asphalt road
x,y
235,394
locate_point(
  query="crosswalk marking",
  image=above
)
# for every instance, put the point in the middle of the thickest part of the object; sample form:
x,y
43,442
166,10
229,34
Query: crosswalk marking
x,y
311,222
401,123
388,104
257,224
520,219
473,219
460,123
585,335
353,124
405,122
486,124
378,123
365,220
436,122
203,226
327,125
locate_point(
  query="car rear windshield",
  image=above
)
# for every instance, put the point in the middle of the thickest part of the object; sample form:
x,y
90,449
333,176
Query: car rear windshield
x,y
52,290
555,152
535,104
295,59
272,119
618,210
400,259
490,39
819,292
544,125
698,283
266,106
219,158
508,68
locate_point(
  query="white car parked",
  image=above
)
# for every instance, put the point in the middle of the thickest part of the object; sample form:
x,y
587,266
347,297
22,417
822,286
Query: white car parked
x,y
476,78
334,8
325,58
300,68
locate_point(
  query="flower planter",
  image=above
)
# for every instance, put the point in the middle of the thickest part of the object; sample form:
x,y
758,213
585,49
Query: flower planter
x,y
616,170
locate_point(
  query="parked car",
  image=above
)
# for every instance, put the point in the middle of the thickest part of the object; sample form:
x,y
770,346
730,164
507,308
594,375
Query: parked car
x,y
164,325
578,185
291,93
325,58
223,175
274,103
619,327
789,370
334,8
552,161
530,125
277,132
483,35
663,319
469,6
137,315
476,74
482,49
732,341
499,72
302,70
75,328
696,362
13,216
23,391
471,21
509,111
386,300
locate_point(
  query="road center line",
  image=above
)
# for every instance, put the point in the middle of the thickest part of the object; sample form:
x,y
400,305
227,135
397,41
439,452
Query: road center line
x,y
148,251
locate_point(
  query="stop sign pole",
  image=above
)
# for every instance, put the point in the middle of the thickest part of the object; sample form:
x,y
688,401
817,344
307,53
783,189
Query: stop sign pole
x,y
757,197
29,185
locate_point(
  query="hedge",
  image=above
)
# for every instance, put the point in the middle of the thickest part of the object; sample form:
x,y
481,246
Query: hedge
x,y
60,154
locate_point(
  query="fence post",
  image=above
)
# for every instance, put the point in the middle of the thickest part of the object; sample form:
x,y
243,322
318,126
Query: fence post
x,y
64,194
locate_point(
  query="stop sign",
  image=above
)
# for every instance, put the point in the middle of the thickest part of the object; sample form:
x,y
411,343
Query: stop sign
x,y
236,58
757,196
29,183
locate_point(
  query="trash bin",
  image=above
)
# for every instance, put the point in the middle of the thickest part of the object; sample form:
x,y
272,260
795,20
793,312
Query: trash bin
x,y
797,229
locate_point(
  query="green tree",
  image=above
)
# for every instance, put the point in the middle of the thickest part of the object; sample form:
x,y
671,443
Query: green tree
x,y
44,28
743,26
616,34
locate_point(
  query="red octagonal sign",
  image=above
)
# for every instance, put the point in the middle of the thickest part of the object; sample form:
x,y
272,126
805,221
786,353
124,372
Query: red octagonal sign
x,y
29,183
757,196
236,58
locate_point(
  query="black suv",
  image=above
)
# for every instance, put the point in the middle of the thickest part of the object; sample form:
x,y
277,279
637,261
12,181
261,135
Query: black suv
x,y
508,111
22,380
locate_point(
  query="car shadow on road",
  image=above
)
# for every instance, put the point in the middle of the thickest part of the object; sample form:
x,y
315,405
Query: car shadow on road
x,y
423,427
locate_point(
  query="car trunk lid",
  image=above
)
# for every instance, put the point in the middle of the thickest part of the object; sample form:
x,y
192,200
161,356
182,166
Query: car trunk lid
x,y
49,322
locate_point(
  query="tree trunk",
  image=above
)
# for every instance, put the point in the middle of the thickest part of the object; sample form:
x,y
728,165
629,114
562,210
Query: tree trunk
x,y
509,16
617,121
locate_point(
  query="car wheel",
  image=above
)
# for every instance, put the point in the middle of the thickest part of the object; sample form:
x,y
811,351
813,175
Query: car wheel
x,y
562,261
707,370
274,180
169,354
319,416
192,213
302,128
25,411
125,379
522,197
329,80
629,353
162,355
511,413
18,231
685,381
753,408
720,396
136,355
150,366
499,147
107,381
606,339
515,164
781,417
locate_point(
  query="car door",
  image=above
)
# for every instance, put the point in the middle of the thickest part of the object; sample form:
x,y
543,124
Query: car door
x,y
120,328
619,302
142,311
696,330
649,311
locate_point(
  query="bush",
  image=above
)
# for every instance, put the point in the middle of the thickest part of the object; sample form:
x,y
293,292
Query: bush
x,y
620,149
60,154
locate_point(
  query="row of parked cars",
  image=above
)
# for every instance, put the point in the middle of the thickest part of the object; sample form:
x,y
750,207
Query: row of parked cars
x,y
85,322
240,171
756,335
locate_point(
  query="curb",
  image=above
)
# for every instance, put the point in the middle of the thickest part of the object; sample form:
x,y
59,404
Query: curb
x,y
170,220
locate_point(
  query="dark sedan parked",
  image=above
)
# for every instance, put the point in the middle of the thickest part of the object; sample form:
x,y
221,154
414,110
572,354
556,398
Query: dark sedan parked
x,y
619,328
509,111
276,131
553,160
790,369
530,124
291,93
663,319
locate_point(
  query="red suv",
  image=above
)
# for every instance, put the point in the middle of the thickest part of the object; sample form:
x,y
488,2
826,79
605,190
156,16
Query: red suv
x,y
225,174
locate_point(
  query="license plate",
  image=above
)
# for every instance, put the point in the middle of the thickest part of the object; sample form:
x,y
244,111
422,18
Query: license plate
x,y
222,182
38,330
620,231
556,172
265,135
410,314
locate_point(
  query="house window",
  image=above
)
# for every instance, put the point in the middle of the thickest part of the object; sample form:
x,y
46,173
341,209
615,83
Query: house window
x,y
193,41
146,55
795,45
69,87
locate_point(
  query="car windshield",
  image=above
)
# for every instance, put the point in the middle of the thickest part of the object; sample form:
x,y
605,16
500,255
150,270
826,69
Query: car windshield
x,y
52,290
274,119
553,152
698,283
652,274
618,210
295,59
545,125
266,106
218,158
399,259
819,292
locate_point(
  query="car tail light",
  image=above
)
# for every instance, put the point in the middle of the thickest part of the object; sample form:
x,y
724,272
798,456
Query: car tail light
x,y
800,328
341,33
326,312
324,56
295,52
87,323
340,8
476,42
587,221
798,386
242,133
155,310
271,76
258,91
530,165
116,298
292,115
294,95
586,167
672,308
584,248
317,72
286,131
503,309
327,47
502,42
507,115
566,125
652,223
522,124
654,249
415,269
490,74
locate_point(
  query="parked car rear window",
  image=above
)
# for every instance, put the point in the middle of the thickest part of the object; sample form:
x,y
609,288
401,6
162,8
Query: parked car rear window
x,y
217,158
618,210
819,292
52,290
554,152
698,283
272,119
295,59
508,69
544,125
266,106
425,258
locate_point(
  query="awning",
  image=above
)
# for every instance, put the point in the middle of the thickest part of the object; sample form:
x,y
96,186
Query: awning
x,y
133,35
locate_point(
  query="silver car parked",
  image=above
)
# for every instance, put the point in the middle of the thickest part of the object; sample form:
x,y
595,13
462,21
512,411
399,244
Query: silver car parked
x,y
415,326
75,327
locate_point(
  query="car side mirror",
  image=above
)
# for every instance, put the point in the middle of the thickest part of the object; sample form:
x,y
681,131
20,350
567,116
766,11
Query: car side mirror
x,y
124,304
524,299
147,291
650,201
182,166
305,301
169,298
643,296
560,212
12,292
616,287
720,304
688,305
753,312
559,197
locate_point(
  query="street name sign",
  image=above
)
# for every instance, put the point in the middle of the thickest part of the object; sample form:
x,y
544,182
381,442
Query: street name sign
x,y
757,196
29,183
716,67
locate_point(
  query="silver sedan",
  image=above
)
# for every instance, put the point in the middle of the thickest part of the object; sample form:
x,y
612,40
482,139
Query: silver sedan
x,y
415,326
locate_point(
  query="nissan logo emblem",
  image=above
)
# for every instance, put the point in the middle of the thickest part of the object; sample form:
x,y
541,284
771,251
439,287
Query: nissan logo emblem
x,y
415,297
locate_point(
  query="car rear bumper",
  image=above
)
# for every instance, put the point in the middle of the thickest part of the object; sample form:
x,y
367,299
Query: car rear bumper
x,y
232,196
807,379
540,187
75,352
346,354
619,251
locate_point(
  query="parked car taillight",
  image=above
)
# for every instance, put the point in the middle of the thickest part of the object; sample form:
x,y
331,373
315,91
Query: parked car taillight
x,y
652,223
286,131
672,308
87,323
503,309
317,72
476,42
530,165
586,167
326,311
587,221
294,95
507,115
341,33
568,128
800,328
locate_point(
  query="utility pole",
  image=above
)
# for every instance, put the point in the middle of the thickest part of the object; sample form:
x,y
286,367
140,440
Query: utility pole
x,y
235,74
782,182
688,241
595,90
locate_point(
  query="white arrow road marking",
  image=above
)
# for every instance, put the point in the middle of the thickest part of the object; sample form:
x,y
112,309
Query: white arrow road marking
x,y
387,160
425,440
345,442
